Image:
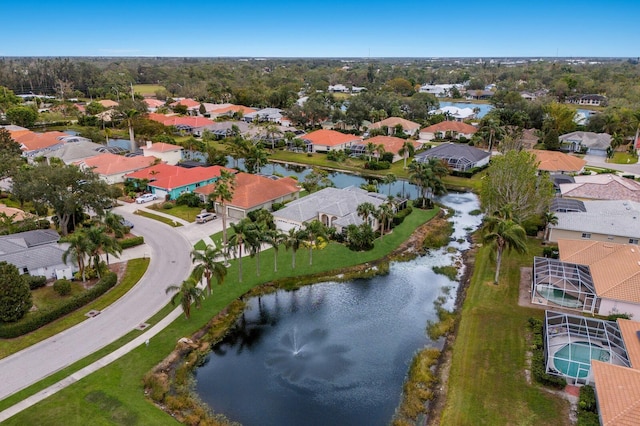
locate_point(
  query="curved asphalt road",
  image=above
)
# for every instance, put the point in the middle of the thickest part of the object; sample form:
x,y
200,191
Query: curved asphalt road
x,y
170,264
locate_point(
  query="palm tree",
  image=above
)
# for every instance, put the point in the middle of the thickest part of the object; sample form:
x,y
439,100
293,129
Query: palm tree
x,y
254,237
366,211
274,238
370,148
271,130
256,158
113,224
549,218
237,147
427,177
78,249
223,193
130,114
492,128
208,266
384,215
380,151
101,242
188,293
292,240
237,241
311,233
505,234
407,151
389,179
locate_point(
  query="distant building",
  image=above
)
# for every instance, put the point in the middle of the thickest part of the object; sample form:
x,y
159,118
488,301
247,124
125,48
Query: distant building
x,y
586,142
460,157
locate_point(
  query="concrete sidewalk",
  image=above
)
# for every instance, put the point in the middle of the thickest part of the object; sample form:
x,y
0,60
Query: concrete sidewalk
x,y
144,338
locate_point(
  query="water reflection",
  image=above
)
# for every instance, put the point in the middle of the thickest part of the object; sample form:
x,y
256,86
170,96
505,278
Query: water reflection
x,y
332,353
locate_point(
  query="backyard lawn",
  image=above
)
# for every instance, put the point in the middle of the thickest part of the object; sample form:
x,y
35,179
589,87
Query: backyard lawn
x,y
487,384
114,394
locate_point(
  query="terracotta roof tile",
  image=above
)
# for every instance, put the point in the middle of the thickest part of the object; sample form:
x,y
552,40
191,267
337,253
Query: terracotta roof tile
x,y
330,137
110,164
615,268
253,190
108,103
175,120
233,108
394,121
554,161
162,147
189,103
629,330
32,141
447,126
170,177
618,391
391,143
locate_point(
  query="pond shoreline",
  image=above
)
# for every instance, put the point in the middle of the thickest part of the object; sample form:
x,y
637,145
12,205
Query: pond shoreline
x,y
170,383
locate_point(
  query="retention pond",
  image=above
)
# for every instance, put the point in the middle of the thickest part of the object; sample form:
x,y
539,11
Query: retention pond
x,y
333,353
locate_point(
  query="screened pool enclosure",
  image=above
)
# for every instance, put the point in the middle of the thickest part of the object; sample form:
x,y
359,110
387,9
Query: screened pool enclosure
x,y
562,284
572,341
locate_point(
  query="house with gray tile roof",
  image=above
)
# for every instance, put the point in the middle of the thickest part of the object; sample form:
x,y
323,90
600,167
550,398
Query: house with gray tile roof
x,y
76,151
593,143
36,253
458,156
332,206
615,221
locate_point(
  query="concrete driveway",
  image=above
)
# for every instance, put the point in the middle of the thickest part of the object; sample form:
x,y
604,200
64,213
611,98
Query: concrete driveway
x,y
170,264
597,161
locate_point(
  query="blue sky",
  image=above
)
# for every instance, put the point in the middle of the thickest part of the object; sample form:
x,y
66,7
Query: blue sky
x,y
324,29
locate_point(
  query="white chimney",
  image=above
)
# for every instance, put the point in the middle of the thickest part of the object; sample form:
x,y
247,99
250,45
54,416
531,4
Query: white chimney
x,y
149,143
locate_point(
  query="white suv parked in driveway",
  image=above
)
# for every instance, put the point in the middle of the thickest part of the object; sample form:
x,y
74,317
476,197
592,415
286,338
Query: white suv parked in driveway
x,y
146,197
205,217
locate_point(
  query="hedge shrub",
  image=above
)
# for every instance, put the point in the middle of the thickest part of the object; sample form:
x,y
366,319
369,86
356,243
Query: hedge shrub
x,y
398,218
35,281
62,287
538,369
44,317
131,242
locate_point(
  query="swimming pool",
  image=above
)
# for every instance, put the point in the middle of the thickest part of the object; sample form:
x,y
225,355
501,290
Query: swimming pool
x,y
574,359
557,296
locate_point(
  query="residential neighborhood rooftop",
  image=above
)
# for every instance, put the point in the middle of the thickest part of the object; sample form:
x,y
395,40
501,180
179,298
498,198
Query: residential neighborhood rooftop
x,y
555,161
615,268
610,217
449,126
330,137
618,390
602,187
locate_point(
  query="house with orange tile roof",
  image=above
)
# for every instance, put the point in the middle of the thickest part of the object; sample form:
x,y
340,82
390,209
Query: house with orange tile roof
x,y
153,104
112,168
193,106
172,181
329,140
601,187
16,215
228,110
558,162
453,129
166,152
391,144
254,192
408,127
108,103
34,144
590,276
193,125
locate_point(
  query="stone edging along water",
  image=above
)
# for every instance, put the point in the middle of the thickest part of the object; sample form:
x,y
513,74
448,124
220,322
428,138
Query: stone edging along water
x,y
170,383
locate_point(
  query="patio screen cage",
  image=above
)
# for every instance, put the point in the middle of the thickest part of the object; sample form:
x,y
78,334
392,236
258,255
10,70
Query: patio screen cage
x,y
563,284
573,341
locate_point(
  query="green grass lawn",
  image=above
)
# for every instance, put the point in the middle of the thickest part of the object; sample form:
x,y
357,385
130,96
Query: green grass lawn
x,y
147,89
487,385
135,270
114,394
623,158
159,218
182,212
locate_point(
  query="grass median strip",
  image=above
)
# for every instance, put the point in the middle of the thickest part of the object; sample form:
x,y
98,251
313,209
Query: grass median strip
x,y
159,218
